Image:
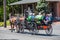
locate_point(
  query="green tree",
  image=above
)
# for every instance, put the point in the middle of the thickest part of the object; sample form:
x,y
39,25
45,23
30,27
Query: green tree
x,y
1,10
1,13
7,6
42,5
1,2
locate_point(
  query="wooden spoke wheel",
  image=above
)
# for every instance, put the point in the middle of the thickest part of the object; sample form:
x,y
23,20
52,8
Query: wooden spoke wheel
x,y
49,30
34,30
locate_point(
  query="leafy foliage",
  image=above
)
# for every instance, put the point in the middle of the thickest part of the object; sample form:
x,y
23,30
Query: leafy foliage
x,y
42,5
7,8
1,2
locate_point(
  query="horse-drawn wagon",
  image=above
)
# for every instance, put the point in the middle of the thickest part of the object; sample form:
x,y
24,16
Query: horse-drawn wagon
x,y
33,24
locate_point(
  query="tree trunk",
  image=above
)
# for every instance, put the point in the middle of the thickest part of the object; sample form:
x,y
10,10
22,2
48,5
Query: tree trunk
x,y
4,6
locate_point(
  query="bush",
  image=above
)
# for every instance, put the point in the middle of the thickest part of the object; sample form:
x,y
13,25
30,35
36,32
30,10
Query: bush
x,y
2,23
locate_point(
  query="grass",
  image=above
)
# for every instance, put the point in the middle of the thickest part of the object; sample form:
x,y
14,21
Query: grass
x,y
8,23
2,23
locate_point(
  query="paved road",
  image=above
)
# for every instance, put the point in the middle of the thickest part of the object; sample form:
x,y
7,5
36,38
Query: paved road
x,y
6,34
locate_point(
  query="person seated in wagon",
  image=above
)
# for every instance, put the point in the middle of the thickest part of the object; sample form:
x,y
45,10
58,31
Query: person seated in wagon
x,y
48,19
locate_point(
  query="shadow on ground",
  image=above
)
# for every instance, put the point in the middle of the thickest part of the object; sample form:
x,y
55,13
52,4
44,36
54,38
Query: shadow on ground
x,y
38,34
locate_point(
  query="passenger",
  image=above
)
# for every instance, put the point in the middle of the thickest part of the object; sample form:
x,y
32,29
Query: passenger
x,y
39,18
32,17
48,19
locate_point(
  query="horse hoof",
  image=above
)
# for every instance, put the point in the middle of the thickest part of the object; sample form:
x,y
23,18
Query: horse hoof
x,y
11,31
18,31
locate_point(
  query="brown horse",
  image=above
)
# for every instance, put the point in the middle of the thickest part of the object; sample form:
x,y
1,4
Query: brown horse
x,y
12,23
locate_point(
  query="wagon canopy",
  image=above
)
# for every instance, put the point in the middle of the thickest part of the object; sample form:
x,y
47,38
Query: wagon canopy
x,y
52,0
24,2
28,1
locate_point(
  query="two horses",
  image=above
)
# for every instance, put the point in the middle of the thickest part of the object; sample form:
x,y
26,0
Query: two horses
x,y
14,22
31,26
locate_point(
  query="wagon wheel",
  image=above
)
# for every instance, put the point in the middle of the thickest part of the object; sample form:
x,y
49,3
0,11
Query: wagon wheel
x,y
35,30
49,30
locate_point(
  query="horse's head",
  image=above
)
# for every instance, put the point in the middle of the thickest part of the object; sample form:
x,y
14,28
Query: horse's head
x,y
22,18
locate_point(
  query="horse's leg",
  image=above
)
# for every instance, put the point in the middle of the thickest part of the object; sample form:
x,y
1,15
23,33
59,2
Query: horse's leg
x,y
22,28
10,25
17,28
11,28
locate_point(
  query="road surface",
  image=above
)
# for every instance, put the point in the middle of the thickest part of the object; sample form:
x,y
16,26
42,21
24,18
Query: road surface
x,y
6,34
